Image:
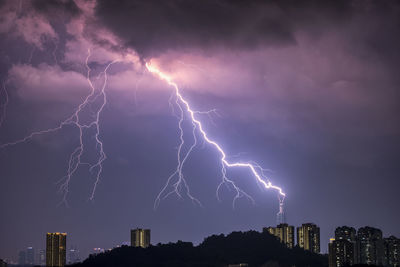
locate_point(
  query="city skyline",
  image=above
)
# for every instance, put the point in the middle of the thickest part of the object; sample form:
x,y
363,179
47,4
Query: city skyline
x,y
346,247
192,118
367,245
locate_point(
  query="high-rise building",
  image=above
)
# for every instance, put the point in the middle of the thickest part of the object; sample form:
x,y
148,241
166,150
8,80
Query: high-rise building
x,y
284,232
331,253
391,251
367,247
370,246
140,238
22,257
346,233
41,257
73,255
308,237
56,244
344,246
30,256
341,252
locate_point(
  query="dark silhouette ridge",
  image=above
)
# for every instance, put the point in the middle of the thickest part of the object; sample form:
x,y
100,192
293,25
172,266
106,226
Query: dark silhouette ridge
x,y
253,248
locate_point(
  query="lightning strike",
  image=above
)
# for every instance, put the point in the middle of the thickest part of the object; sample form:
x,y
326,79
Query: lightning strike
x,y
184,108
75,159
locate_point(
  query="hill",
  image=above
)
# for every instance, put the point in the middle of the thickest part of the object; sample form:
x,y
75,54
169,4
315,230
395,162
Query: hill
x,y
253,248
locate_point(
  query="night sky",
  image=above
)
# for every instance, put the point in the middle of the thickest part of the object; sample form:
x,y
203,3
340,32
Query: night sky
x,y
307,89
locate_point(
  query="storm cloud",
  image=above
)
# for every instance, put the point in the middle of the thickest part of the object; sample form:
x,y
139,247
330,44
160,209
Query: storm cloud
x,y
153,27
310,90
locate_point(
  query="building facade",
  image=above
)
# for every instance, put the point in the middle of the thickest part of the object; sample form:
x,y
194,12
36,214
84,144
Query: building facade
x,y
366,247
341,253
391,246
284,232
370,246
56,247
30,256
346,233
73,255
344,246
22,257
308,237
41,257
140,238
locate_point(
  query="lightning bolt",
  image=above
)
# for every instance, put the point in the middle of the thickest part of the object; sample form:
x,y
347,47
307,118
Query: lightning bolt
x,y
184,109
98,97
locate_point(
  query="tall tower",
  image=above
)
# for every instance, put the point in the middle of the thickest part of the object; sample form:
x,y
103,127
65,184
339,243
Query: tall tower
x,y
140,238
280,216
56,246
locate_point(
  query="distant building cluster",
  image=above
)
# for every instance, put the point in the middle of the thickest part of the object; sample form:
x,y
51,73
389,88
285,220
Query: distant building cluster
x,y
308,235
27,256
56,253
348,247
98,251
366,246
53,255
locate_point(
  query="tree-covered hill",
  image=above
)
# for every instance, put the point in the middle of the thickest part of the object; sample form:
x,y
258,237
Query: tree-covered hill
x,y
253,248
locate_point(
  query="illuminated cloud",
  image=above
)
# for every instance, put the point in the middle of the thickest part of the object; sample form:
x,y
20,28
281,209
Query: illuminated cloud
x,y
19,20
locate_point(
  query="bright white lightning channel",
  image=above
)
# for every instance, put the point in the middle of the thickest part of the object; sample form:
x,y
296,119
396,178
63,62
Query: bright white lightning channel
x,y
75,159
183,105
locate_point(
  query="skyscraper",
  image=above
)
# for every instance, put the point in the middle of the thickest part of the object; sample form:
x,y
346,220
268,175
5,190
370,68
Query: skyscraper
x,y
73,255
343,248
341,252
346,233
22,257
41,257
284,232
56,244
370,246
30,256
391,251
140,238
308,237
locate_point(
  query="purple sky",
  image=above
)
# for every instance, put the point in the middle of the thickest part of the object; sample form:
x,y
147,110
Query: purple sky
x,y
309,91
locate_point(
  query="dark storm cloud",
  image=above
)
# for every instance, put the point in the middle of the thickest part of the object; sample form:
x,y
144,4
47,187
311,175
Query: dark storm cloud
x,y
308,89
48,8
155,26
